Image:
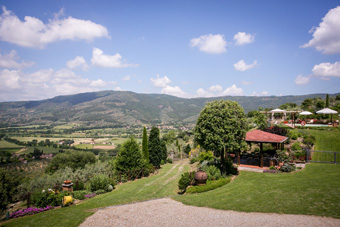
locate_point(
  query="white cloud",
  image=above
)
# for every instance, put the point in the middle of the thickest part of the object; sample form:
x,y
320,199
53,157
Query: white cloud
x,y
211,44
326,70
110,61
301,80
203,93
160,81
17,85
32,32
242,66
127,77
233,90
215,88
326,37
77,62
10,61
263,93
243,38
173,90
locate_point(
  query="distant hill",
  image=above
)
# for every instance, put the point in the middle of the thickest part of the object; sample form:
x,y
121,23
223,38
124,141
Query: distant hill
x,y
122,108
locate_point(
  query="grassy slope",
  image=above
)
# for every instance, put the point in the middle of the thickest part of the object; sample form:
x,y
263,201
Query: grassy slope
x,y
160,185
313,191
325,141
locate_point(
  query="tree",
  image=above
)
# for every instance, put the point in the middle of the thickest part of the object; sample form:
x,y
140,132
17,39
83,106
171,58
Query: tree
x,y
221,127
169,137
8,188
260,119
327,101
129,157
145,145
164,151
155,147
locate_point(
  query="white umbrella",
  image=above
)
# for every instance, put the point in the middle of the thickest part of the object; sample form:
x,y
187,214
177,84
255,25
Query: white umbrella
x,y
305,113
277,111
327,111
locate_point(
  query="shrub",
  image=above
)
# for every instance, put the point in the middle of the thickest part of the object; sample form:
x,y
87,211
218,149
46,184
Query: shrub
x,y
292,135
48,198
100,182
186,180
210,185
309,140
212,172
169,160
100,191
206,156
162,162
272,168
287,168
282,156
296,146
270,171
80,195
193,160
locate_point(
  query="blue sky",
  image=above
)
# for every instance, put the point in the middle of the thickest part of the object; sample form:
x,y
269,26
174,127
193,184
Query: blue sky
x,y
182,48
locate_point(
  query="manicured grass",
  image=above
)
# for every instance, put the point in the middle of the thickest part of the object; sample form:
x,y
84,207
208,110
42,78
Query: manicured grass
x,y
326,140
312,191
84,146
157,186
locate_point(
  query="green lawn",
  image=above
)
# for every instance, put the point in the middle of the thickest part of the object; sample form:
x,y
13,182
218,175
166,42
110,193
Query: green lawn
x,y
161,185
313,191
84,146
5,144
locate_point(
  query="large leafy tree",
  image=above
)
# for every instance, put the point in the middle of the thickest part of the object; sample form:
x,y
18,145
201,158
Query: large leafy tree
x,y
155,147
145,145
221,127
129,157
260,119
8,188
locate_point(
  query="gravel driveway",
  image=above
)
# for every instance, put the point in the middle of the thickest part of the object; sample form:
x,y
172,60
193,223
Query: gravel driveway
x,y
168,212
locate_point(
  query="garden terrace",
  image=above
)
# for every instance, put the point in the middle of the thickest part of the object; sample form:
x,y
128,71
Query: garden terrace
x,y
260,137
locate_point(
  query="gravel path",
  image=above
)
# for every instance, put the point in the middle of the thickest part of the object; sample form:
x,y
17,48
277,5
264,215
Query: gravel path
x,y
168,212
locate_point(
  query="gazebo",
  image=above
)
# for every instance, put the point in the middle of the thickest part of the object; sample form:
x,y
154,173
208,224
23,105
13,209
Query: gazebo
x,y
260,137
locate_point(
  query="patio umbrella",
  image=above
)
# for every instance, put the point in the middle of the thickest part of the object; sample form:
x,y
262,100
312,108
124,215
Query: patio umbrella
x,y
327,111
305,113
277,111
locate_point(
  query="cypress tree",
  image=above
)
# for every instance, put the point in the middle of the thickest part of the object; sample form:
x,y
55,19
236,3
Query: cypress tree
x,y
154,147
145,145
164,151
327,101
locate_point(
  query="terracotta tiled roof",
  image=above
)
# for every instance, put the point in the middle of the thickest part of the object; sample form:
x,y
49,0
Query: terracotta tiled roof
x,y
265,137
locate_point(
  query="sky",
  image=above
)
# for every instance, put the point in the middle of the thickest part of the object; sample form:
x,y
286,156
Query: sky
x,y
188,49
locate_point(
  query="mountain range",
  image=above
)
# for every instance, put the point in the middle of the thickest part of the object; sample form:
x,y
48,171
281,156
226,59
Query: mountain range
x,y
123,108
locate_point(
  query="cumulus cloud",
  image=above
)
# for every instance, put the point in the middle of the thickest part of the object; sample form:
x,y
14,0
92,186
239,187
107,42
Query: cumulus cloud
x,y
326,37
242,38
326,70
301,80
263,93
108,61
215,88
78,62
203,93
242,66
160,81
10,61
173,90
211,44
47,83
233,90
163,82
32,32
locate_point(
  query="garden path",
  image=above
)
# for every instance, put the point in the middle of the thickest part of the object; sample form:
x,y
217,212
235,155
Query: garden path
x,y
167,212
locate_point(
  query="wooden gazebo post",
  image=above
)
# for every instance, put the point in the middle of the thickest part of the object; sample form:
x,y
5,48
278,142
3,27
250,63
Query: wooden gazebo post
x,y
261,151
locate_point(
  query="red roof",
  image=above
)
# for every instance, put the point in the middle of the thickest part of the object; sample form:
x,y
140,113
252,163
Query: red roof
x,y
265,137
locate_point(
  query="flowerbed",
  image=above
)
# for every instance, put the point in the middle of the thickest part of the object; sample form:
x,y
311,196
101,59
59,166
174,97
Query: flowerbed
x,y
29,211
270,171
90,195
